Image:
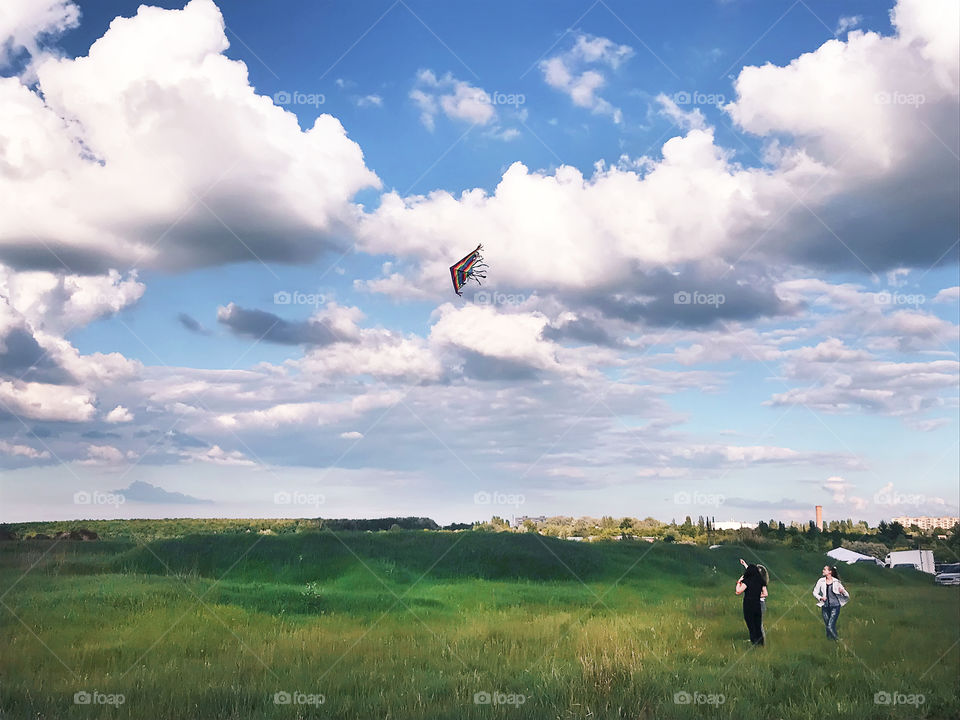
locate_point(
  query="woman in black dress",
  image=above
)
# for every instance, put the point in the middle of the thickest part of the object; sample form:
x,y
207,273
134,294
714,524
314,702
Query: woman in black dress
x,y
751,585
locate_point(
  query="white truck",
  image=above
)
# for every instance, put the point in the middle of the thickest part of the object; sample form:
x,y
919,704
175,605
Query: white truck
x,y
922,560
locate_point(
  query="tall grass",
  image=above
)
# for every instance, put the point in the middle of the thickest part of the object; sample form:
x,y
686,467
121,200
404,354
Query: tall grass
x,y
414,624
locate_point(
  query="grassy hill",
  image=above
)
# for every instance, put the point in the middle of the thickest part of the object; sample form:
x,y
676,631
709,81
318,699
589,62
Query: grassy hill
x,y
413,624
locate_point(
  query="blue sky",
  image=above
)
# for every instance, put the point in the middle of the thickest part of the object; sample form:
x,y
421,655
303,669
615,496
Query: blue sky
x,y
797,160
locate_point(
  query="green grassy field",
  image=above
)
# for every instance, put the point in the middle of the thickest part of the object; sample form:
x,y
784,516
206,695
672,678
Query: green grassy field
x,y
415,624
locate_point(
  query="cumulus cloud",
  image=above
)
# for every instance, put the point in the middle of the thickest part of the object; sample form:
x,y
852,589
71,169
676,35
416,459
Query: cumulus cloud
x,y
58,302
21,355
379,353
575,72
514,337
845,379
118,415
159,153
456,99
25,23
847,23
103,455
877,112
948,295
39,401
15,449
845,176
218,456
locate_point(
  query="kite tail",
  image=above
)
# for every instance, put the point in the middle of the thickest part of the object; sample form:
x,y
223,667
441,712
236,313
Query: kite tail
x,y
479,269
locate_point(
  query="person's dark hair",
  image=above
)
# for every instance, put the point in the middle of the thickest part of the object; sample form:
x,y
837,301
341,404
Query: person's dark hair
x,y
750,571
834,573
763,574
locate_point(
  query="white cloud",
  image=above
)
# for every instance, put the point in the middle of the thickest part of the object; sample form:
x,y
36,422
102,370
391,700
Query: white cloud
x,y
60,302
568,72
352,435
26,451
379,353
947,295
119,415
154,146
513,337
103,455
456,99
692,120
845,379
369,101
217,456
837,159
847,23
837,487
306,413
564,231
39,401
24,22
861,102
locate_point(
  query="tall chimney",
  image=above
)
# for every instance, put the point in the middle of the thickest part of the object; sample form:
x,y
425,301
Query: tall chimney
x,y
819,517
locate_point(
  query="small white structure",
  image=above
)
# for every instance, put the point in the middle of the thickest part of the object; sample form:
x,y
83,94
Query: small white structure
x,y
734,525
922,560
850,557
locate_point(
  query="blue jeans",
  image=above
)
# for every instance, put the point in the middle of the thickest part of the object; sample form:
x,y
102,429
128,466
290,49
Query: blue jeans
x,y
830,615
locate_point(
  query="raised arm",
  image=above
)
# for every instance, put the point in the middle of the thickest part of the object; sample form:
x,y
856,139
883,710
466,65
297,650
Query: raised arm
x,y
740,586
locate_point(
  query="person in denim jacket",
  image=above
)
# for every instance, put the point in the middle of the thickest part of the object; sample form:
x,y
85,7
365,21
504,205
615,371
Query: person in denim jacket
x,y
831,595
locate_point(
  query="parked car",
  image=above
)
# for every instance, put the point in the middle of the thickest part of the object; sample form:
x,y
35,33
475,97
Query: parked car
x,y
948,575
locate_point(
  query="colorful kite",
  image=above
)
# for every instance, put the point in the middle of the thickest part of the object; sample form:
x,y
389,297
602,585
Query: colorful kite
x,y
469,268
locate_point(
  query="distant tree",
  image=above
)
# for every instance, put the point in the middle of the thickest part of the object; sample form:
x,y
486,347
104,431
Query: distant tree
x,y
891,532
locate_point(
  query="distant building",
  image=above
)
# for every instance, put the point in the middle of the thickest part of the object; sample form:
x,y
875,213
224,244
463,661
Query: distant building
x,y
928,523
518,521
734,525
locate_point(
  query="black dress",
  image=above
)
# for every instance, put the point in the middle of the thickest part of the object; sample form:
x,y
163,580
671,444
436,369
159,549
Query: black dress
x,y
752,609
